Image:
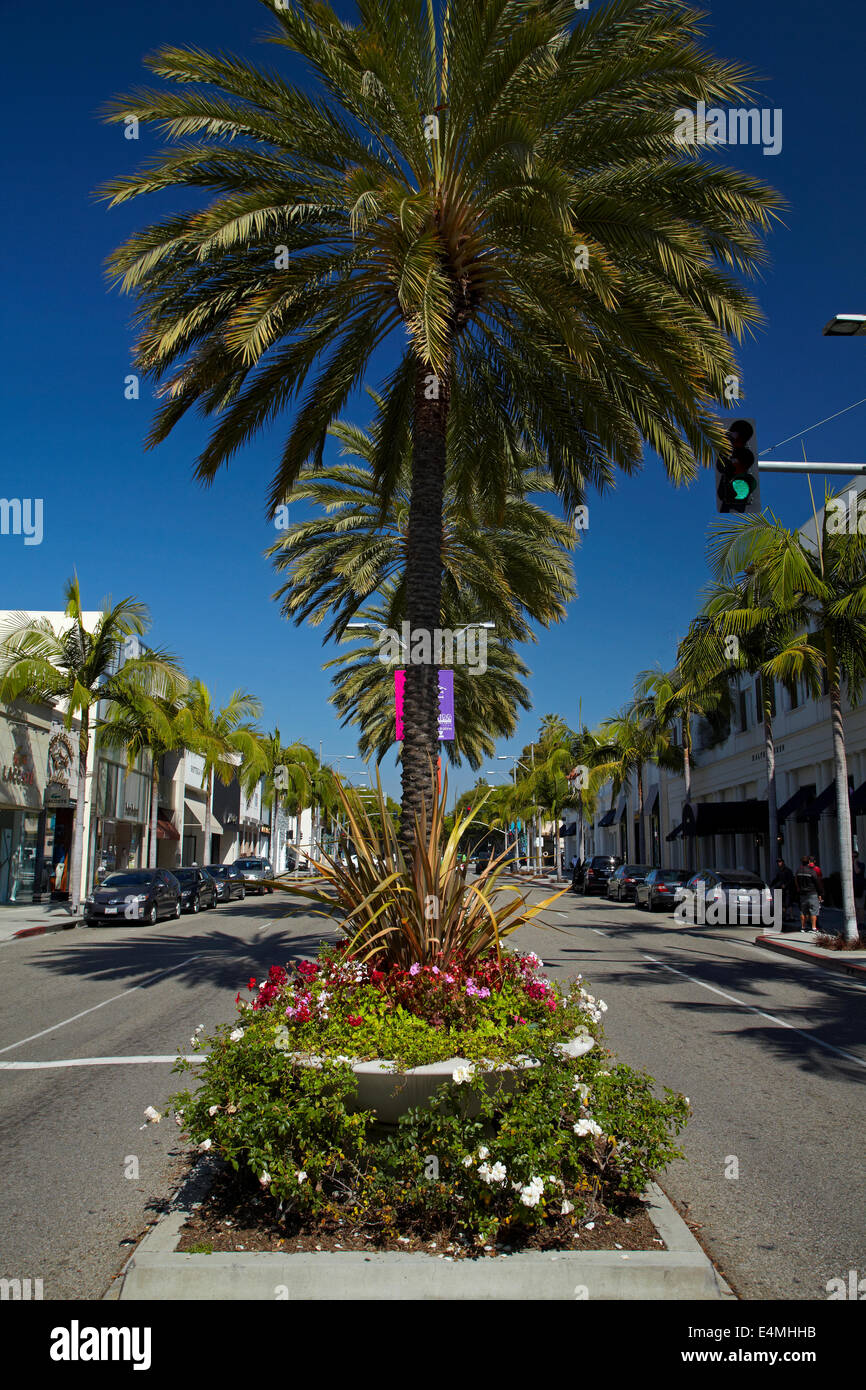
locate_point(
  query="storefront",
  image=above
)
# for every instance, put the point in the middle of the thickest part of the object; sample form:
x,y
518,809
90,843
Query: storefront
x,y
38,780
122,817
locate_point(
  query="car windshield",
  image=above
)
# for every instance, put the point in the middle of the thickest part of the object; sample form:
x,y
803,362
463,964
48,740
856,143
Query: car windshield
x,y
741,880
603,861
636,868
249,864
671,875
217,870
185,875
128,880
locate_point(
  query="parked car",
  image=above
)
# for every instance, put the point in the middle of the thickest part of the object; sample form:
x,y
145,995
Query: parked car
x,y
137,895
197,889
229,881
577,874
624,880
735,895
598,871
256,872
659,889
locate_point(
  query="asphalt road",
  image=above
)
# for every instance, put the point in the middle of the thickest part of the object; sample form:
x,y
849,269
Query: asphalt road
x,y
771,1054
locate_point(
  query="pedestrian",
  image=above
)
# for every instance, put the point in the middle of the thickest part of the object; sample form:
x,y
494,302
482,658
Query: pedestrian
x,y
784,881
810,889
573,863
860,891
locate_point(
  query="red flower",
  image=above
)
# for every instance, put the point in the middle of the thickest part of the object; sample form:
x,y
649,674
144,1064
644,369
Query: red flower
x,y
355,1020
376,976
277,975
252,983
308,969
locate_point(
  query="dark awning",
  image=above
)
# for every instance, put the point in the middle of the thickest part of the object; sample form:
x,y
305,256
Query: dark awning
x,y
794,803
858,801
566,830
651,801
727,818
814,810
675,833
165,829
608,819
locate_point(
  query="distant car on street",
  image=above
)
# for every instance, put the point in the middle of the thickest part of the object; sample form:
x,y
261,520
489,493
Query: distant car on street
x,y
624,880
136,895
229,881
597,873
197,889
256,872
735,895
659,889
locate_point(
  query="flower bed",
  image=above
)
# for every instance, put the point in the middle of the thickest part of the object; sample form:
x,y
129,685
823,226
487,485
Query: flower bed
x,y
564,1138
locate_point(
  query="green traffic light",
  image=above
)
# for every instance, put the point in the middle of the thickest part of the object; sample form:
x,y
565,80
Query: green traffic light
x,y
741,489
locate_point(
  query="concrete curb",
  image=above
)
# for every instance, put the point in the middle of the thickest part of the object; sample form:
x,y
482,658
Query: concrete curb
x,y
46,930
157,1271
833,960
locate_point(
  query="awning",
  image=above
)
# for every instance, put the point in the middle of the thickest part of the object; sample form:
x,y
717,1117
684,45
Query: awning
x,y
858,801
814,810
607,819
195,811
794,803
651,801
675,833
749,817
165,827
566,830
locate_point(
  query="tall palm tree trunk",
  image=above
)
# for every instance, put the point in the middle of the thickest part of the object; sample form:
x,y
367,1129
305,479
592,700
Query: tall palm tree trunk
x,y
154,808
205,854
772,802
639,845
77,856
843,805
423,590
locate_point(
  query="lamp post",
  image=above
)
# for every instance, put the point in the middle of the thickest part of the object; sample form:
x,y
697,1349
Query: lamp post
x,y
515,764
845,326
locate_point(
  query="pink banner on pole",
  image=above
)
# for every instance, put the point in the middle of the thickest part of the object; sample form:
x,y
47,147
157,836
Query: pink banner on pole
x,y
446,703
399,683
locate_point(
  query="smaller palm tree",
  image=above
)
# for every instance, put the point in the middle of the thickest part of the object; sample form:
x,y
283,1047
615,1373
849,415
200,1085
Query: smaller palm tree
x,y
228,744
77,669
137,723
628,743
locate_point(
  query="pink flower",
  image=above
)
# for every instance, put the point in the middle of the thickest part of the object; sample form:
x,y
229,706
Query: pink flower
x,y
415,969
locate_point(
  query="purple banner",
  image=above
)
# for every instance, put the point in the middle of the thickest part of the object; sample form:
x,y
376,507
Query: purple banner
x,y
446,703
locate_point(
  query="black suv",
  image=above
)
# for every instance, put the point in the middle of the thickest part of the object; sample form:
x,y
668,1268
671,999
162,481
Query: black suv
x,y
598,871
229,881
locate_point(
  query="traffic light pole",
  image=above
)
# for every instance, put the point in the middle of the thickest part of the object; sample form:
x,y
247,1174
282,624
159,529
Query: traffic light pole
x,y
844,468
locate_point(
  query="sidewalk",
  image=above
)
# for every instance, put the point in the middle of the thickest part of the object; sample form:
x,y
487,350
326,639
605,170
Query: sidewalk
x,y
34,919
801,944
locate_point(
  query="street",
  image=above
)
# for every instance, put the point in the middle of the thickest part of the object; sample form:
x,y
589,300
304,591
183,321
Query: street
x,y
770,1052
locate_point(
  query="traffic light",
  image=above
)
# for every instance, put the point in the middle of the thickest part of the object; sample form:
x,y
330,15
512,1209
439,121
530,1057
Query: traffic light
x,y
738,488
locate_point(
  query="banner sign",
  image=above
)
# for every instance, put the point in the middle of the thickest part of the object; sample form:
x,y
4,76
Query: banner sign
x,y
446,703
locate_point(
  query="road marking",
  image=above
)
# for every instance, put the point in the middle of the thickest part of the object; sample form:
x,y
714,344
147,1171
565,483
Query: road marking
x,y
93,1009
97,1062
810,1037
599,933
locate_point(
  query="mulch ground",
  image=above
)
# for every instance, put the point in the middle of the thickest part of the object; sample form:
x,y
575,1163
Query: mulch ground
x,y
235,1215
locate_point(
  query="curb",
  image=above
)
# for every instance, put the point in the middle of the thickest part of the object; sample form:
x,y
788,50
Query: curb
x,y
157,1271
833,960
45,931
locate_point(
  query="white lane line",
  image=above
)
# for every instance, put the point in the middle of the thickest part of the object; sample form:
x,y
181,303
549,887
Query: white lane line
x,y
260,929
96,1062
94,1007
741,1003
599,933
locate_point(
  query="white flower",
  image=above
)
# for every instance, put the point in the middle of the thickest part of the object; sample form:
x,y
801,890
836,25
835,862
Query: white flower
x,y
301,1175
567,1208
200,1028
530,1195
461,1074
581,1089
265,1179
153,1116
212,1110
498,1173
587,1127
483,1153
236,1035
468,1161
484,1172
206,1144
194,1041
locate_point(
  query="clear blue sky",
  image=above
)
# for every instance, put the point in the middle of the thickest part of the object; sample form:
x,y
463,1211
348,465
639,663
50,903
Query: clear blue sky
x,y
135,523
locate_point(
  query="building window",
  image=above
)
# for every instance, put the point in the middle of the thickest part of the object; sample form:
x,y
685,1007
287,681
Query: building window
x,y
743,705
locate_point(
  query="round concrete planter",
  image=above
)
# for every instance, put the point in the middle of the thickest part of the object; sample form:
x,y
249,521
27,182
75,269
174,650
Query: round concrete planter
x,y
389,1092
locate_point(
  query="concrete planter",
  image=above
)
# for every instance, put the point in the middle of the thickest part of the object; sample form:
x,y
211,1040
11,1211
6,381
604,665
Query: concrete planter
x,y
157,1270
390,1092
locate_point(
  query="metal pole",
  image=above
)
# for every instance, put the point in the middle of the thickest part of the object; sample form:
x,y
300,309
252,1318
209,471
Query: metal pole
x,y
782,467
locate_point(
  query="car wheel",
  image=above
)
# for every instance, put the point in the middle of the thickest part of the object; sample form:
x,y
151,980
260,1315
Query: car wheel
x,y
243,893
153,915
196,905
177,910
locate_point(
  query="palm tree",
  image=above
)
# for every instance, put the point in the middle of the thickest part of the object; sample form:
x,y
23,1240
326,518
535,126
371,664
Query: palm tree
x,y
693,689
547,784
510,564
70,665
494,193
628,742
289,773
138,722
822,583
228,744
487,700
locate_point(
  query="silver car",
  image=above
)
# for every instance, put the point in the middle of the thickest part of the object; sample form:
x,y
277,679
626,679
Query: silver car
x,y
256,874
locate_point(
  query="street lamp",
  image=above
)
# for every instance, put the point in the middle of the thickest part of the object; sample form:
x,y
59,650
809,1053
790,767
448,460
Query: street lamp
x,y
516,763
845,326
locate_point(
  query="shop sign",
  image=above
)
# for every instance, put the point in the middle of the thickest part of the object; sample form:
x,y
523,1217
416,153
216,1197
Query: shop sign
x,y
60,787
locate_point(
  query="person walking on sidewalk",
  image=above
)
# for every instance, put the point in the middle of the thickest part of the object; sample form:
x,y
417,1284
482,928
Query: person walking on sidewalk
x,y
810,890
784,881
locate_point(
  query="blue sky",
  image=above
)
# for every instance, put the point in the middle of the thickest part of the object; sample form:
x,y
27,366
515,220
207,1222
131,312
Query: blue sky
x,y
136,523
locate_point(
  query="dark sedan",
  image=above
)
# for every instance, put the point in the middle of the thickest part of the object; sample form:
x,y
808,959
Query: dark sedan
x,y
229,881
726,897
136,895
623,882
598,871
197,889
659,889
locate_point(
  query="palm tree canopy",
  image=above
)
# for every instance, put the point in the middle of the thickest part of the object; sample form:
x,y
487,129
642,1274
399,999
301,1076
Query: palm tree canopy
x,y
494,191
224,738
